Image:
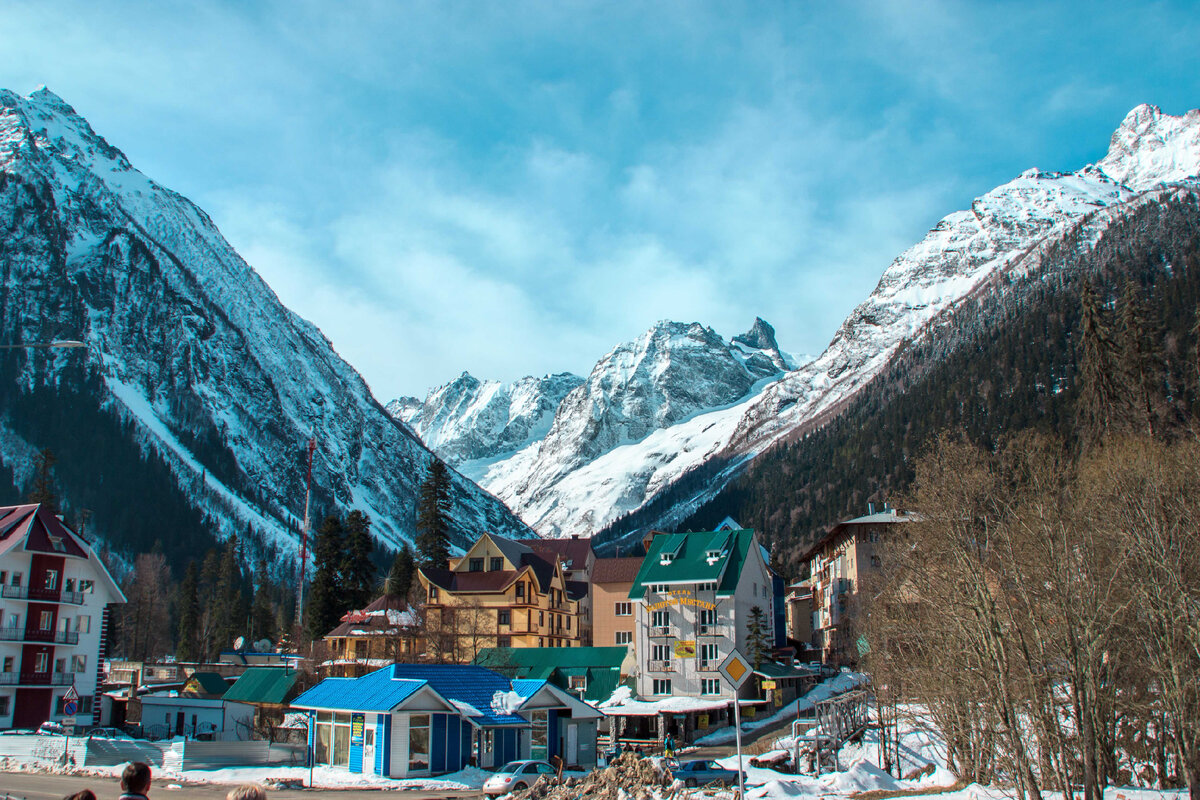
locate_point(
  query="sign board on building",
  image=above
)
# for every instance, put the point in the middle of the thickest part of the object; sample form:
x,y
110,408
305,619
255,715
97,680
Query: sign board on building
x,y
768,684
358,722
685,648
735,668
702,721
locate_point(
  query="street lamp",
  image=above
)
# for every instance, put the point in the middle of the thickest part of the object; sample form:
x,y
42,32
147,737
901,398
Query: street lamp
x,y
60,343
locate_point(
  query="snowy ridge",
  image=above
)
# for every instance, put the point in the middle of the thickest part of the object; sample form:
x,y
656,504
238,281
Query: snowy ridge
x,y
561,489
191,343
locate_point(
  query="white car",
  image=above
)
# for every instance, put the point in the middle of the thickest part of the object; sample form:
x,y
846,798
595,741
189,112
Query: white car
x,y
515,776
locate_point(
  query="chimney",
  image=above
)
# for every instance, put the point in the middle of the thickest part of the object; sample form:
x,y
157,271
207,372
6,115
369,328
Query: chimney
x,y
870,508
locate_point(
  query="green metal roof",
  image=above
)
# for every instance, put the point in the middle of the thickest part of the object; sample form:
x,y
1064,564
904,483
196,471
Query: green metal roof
x,y
706,557
601,665
263,685
210,683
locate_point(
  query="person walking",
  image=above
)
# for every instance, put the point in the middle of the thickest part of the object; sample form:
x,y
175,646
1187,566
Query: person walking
x,y
669,746
135,781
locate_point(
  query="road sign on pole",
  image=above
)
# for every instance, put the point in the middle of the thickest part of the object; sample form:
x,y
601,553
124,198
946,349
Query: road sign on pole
x,y
736,670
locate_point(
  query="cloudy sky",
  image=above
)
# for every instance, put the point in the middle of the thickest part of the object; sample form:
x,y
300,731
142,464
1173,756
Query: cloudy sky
x,y
513,188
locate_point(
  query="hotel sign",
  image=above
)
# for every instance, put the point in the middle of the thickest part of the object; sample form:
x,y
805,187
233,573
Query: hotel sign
x,y
681,597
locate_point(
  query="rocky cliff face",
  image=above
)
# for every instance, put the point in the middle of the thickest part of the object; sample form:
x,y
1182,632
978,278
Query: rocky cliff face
x,y
193,348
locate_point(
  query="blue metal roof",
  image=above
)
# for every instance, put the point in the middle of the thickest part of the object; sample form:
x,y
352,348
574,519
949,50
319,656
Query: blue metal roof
x,y
376,691
465,683
526,687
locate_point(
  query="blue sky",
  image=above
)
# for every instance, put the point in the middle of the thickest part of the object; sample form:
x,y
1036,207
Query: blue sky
x,y
513,188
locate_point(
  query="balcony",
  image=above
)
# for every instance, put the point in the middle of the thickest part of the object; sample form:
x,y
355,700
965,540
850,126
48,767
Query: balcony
x,y
660,631
710,630
41,595
40,636
706,665
660,666
37,678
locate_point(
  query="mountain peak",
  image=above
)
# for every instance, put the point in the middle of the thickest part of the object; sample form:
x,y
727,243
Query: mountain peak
x,y
761,336
1150,147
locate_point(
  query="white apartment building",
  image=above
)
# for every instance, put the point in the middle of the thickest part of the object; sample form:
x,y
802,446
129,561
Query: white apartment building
x,y
692,605
55,600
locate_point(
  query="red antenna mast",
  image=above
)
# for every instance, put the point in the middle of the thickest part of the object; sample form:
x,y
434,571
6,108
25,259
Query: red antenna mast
x,y
312,445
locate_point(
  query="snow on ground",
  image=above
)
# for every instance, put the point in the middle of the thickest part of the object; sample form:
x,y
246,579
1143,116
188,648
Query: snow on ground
x,y
322,777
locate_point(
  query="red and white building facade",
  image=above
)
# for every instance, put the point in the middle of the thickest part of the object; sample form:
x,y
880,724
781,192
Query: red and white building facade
x,y
55,601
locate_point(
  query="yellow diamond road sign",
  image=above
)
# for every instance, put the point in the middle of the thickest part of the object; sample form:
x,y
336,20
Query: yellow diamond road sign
x,y
735,669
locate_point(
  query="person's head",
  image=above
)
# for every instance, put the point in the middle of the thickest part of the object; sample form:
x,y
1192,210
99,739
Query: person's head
x,y
136,778
82,794
247,791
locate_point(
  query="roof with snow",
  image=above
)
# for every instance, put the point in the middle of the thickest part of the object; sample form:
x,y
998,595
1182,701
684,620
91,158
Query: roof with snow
x,y
708,557
465,683
37,529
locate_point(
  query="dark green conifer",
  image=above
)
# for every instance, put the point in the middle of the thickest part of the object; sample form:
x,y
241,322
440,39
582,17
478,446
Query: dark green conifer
x,y
1141,361
433,516
1098,391
400,576
188,608
44,491
262,613
325,595
758,640
358,571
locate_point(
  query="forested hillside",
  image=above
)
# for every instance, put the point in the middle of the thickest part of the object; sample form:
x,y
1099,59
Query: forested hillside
x,y
1004,360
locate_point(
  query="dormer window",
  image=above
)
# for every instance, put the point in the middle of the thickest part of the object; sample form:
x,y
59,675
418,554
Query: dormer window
x,y
666,558
57,543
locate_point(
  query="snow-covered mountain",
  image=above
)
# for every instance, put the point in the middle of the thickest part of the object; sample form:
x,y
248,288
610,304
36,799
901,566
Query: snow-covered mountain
x,y
191,346
470,420
672,373
599,462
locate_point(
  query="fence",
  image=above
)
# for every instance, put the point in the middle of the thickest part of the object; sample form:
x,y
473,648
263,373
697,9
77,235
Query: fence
x,y
83,751
215,755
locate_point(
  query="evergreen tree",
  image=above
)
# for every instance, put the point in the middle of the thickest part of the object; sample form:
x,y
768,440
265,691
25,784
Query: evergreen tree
x,y
1140,361
400,576
44,491
187,606
229,604
1097,367
326,602
358,571
433,516
262,613
758,641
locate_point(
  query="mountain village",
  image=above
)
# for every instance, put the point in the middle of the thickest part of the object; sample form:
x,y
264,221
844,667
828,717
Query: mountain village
x,y
952,554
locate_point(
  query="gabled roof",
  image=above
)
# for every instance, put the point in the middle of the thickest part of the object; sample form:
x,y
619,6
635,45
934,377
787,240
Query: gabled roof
x,y
269,685
35,528
388,615
496,581
512,549
601,666
573,551
616,570
209,682
685,558
375,691
465,683
576,590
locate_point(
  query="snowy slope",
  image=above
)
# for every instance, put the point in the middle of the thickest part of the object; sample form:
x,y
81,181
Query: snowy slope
x,y
193,346
584,475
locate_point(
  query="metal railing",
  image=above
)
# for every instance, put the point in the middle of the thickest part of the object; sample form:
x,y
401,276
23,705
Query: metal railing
x,y
660,666
660,630
44,595
38,635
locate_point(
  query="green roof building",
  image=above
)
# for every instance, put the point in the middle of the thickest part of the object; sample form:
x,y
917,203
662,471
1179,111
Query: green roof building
x,y
264,686
596,671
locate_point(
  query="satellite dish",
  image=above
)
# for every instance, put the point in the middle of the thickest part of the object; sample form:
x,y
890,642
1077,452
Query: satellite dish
x,y
262,646
239,643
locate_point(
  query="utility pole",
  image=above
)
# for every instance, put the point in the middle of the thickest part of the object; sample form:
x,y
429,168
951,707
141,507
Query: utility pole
x,y
312,445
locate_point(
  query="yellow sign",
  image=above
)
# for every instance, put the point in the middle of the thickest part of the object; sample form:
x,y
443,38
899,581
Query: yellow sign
x,y
748,711
685,649
778,699
683,597
768,684
702,721
735,669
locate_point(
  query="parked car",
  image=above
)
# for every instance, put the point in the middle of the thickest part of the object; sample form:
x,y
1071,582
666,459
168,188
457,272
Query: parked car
x,y
516,775
50,728
701,772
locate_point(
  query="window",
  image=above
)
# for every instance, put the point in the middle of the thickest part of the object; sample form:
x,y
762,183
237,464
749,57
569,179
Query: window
x,y
624,637
578,683
624,609
708,616
754,589
541,618
46,621
503,641
42,663
568,623
504,616
660,588
537,748
60,665
661,619
86,586
78,664
661,686
433,594
57,543
83,624
476,565
3,576
14,621
706,587
710,686
708,652
660,652
16,579
8,663
418,742
51,579
69,585
520,591
4,707
497,564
